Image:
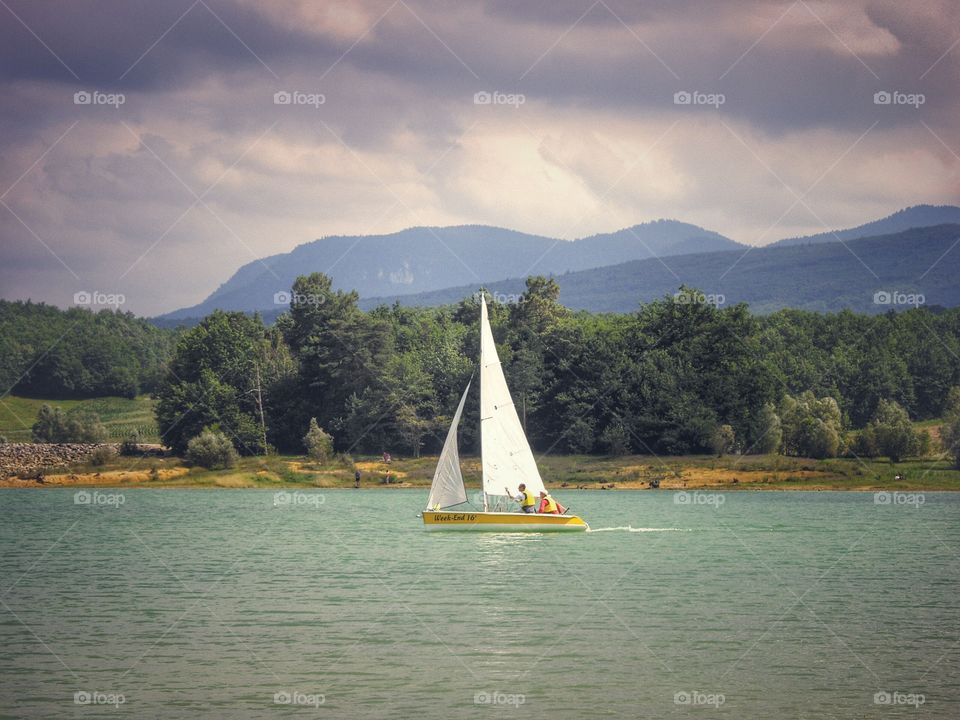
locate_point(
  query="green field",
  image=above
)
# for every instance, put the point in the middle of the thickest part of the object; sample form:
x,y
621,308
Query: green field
x,y
121,416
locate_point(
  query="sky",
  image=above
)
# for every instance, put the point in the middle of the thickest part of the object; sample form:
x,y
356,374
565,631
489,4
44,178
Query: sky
x,y
149,149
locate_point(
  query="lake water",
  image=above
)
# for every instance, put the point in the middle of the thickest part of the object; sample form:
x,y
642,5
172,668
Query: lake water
x,y
188,603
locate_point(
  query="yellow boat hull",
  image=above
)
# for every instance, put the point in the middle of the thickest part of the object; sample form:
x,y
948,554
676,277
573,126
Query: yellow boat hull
x,y
501,522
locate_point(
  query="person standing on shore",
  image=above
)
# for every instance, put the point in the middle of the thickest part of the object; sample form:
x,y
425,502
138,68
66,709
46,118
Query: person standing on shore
x,y
356,478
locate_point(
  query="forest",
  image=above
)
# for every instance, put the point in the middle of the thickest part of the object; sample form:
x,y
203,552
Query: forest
x,y
677,376
76,353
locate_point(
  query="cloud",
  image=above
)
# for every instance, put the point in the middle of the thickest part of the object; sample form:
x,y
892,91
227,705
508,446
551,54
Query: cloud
x,y
109,193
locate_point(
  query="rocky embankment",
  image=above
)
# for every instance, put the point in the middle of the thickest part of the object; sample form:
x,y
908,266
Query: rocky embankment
x,y
30,459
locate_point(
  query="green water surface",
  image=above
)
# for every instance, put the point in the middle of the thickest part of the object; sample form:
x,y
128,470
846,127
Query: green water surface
x,y
219,603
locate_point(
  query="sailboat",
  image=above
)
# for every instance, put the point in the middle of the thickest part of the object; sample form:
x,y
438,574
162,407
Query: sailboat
x,y
506,458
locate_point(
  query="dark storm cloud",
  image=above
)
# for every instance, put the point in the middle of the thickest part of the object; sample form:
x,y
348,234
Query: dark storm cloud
x,y
104,188
783,84
611,12
139,44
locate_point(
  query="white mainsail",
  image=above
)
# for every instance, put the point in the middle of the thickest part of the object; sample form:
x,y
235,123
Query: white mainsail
x,y
447,487
507,457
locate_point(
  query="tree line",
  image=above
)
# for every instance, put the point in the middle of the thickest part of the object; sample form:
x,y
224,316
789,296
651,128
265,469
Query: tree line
x,y
76,353
677,376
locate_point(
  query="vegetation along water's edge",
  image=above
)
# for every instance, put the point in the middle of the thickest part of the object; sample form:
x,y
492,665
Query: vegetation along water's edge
x,y
645,398
562,472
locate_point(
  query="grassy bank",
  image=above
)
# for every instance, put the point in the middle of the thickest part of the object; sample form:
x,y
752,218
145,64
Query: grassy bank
x,y
121,416
571,472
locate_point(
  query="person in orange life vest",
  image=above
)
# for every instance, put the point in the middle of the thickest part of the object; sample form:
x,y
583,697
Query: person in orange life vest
x,y
548,504
527,499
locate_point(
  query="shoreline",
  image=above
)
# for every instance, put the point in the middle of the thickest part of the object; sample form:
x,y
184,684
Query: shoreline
x,y
747,489
561,473
84,482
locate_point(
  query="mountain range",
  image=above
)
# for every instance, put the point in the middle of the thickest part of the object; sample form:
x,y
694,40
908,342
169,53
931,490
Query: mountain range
x,y
911,217
422,259
919,266
610,271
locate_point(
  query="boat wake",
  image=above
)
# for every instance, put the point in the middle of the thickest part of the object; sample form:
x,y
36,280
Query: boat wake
x,y
630,528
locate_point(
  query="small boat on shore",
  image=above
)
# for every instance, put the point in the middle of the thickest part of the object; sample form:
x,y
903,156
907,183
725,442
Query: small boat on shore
x,y
506,459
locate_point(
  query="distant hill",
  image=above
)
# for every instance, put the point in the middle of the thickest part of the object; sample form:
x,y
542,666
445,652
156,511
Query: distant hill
x,y
78,352
819,276
433,265
424,259
911,217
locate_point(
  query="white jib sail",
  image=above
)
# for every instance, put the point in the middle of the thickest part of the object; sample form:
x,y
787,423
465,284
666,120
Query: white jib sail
x,y
447,487
507,457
